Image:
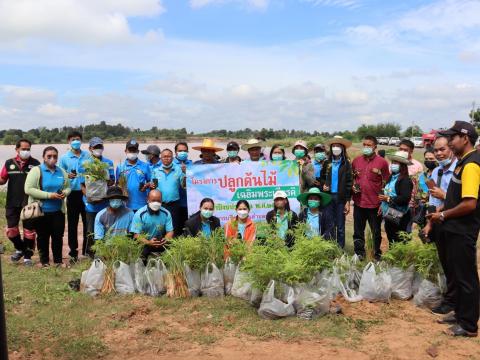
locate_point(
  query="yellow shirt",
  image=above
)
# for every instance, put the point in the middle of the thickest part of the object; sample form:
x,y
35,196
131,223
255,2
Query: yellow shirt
x,y
470,180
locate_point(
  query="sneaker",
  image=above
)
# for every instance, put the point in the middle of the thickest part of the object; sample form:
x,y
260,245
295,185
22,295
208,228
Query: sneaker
x,y
457,330
442,309
17,256
27,262
449,319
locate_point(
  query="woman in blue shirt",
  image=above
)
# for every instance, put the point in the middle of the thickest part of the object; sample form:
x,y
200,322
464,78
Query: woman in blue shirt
x,y
203,220
282,218
315,214
49,184
337,180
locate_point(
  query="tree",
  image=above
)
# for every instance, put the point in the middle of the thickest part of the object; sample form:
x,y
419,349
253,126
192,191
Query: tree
x,y
412,131
475,117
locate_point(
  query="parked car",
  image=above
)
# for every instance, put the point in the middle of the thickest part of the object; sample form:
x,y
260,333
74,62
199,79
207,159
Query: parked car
x,y
394,141
383,140
417,141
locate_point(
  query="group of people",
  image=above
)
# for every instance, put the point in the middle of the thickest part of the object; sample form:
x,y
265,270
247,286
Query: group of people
x,y
155,209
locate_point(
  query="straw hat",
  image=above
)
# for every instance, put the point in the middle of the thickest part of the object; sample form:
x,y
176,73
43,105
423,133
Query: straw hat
x,y
208,144
337,139
252,143
401,157
300,143
324,198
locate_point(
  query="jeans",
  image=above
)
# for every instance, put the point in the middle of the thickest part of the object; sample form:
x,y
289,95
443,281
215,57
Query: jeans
x,y
75,209
360,218
337,213
50,226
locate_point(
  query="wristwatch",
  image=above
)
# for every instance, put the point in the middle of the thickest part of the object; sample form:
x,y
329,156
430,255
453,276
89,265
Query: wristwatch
x,y
442,217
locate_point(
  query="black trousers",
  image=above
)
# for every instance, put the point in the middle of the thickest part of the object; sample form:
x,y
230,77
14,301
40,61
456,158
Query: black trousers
x,y
150,251
75,210
360,218
176,211
90,239
392,229
450,295
50,227
27,244
461,257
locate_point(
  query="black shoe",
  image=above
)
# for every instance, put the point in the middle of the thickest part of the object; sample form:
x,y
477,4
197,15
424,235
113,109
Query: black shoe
x,y
17,256
448,319
442,309
457,330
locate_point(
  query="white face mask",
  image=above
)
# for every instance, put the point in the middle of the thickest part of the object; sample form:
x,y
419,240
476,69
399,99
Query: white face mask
x,y
242,214
132,156
97,152
155,205
24,154
337,151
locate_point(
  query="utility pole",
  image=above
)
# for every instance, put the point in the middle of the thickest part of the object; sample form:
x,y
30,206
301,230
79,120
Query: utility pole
x,y
3,326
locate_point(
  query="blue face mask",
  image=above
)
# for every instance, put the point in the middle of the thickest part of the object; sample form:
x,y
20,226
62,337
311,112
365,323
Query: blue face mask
x,y
394,168
75,144
444,163
167,166
182,155
115,203
232,154
277,157
320,156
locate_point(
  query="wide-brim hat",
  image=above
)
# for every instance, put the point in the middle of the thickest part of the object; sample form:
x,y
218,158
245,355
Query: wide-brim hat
x,y
252,143
208,144
339,140
115,192
324,198
300,143
401,157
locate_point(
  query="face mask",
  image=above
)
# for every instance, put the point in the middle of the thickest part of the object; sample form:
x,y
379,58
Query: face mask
x,y
207,214
182,155
367,151
148,157
320,156
445,162
312,204
75,144
132,156
24,154
115,203
277,157
337,151
242,214
232,154
430,164
394,168
97,152
154,205
51,162
167,166
299,153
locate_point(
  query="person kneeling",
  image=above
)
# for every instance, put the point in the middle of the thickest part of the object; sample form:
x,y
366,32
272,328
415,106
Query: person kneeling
x,y
152,225
203,220
315,215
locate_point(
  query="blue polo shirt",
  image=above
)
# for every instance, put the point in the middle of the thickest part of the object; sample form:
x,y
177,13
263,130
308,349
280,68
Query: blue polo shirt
x,y
153,225
94,208
313,221
169,184
70,161
52,181
154,166
446,177
113,223
335,166
135,174
183,192
317,168
206,230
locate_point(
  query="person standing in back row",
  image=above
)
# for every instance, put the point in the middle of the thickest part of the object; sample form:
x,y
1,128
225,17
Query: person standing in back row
x,y
15,172
71,162
370,172
460,225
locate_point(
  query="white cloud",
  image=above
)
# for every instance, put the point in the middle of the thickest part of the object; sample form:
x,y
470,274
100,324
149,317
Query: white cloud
x,y
258,4
73,21
54,110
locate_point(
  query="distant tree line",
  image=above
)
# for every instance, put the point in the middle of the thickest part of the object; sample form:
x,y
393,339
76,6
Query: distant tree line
x,y
42,135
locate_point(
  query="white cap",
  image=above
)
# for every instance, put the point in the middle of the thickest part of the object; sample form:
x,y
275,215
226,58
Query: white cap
x,y
280,194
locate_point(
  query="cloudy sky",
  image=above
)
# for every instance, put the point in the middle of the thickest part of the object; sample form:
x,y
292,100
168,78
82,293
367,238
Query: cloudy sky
x,y
209,64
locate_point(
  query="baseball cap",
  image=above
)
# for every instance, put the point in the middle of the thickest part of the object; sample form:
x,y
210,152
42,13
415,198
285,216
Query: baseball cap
x,y
95,141
233,145
461,128
280,194
152,150
132,144
319,147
